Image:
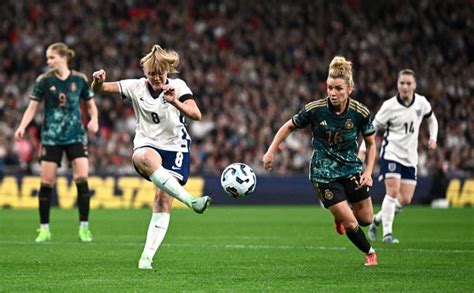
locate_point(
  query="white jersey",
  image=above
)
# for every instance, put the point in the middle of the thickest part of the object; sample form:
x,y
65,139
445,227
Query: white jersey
x,y
159,124
402,125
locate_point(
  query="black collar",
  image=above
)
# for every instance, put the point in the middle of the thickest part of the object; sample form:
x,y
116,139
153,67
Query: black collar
x,y
402,103
154,94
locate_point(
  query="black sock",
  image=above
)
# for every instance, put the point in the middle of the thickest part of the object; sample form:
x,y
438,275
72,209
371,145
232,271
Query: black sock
x,y
83,199
357,237
44,198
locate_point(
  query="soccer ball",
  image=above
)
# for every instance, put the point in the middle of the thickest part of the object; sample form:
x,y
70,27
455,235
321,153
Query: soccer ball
x,y
238,180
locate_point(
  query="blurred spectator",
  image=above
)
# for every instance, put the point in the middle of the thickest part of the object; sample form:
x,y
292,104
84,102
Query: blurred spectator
x,y
251,64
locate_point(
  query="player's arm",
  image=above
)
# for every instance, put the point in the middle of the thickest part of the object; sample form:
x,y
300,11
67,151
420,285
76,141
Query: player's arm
x,y
189,107
99,86
93,125
433,129
366,177
280,136
27,117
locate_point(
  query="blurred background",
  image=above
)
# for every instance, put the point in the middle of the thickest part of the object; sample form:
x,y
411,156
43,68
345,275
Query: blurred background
x,y
251,65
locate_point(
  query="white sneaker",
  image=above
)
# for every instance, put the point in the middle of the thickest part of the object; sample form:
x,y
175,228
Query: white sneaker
x,y
145,263
200,204
372,234
389,239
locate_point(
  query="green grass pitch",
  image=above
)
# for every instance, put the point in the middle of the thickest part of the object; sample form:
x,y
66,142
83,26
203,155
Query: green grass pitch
x,y
274,248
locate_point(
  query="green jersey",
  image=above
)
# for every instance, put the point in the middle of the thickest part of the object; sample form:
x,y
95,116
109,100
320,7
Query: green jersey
x,y
62,112
335,137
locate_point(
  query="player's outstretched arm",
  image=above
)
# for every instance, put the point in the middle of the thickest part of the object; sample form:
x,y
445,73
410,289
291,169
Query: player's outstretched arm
x,y
99,86
280,136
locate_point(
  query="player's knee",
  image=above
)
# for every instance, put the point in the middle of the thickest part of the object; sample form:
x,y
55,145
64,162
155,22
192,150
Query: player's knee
x,y
142,161
350,224
404,201
365,222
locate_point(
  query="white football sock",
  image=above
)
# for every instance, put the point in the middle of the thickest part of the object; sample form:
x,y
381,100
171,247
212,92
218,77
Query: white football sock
x,y
166,182
44,226
156,233
84,225
388,213
398,206
378,218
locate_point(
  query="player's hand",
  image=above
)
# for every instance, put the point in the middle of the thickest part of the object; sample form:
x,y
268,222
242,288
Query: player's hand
x,y
92,127
19,133
169,93
365,180
432,144
99,75
267,161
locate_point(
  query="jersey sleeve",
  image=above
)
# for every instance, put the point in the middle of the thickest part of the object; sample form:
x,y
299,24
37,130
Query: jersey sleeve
x,y
37,93
367,127
427,110
86,91
183,92
382,117
301,119
127,87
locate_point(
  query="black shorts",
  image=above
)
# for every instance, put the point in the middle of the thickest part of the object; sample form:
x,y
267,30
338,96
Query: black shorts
x,y
341,189
54,153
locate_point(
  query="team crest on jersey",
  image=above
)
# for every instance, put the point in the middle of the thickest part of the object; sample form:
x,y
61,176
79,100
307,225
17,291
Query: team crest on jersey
x,y
418,113
328,194
392,167
73,87
349,124
52,88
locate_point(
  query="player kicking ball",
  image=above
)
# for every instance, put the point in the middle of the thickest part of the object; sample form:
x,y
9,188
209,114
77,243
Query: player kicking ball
x,y
162,143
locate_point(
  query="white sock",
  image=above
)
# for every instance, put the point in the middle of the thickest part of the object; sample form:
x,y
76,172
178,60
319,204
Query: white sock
x,y
371,250
156,233
398,206
378,218
388,213
166,182
44,226
84,225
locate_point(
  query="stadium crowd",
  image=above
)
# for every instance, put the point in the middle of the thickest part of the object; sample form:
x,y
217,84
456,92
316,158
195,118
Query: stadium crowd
x,y
251,66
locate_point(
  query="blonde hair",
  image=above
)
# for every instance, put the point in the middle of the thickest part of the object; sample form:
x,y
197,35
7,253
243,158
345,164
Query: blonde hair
x,y
160,60
63,50
341,68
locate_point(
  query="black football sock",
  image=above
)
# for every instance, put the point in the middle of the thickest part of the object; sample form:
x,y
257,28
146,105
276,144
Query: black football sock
x,y
357,237
44,198
83,199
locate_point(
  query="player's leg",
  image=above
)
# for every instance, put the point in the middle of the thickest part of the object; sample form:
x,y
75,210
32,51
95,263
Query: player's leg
x,y
77,154
344,214
392,186
391,172
363,211
333,197
149,164
407,186
50,159
157,228
48,178
80,167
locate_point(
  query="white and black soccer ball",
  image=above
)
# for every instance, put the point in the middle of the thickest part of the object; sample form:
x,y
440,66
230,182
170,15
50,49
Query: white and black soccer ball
x,y
238,180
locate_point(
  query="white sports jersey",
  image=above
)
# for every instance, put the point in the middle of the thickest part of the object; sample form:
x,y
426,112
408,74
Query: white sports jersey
x,y
159,124
402,125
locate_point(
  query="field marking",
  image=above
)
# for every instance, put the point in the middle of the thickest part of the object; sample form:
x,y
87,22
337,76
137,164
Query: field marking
x,y
241,246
